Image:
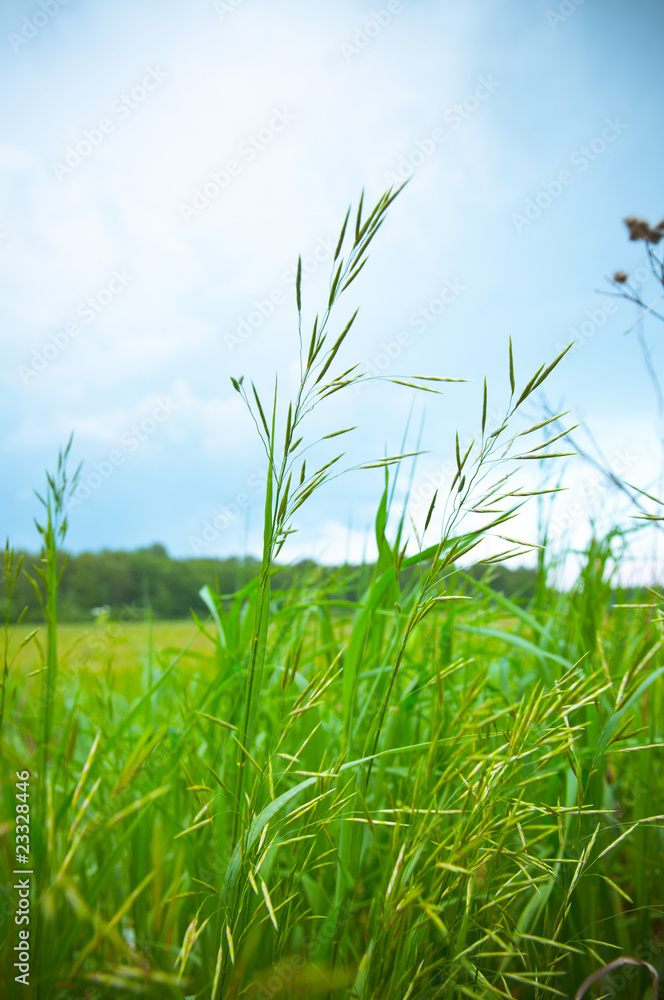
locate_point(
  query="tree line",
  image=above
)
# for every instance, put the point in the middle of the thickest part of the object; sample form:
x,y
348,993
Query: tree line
x,y
169,587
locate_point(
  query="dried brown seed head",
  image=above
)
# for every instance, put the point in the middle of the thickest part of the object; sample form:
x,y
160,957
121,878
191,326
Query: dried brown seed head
x,y
639,229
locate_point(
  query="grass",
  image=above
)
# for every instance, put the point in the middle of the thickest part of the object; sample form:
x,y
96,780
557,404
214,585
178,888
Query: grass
x,y
122,643
479,814
433,791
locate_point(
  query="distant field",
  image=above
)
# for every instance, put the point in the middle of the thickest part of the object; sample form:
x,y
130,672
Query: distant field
x,y
125,645
423,789
507,752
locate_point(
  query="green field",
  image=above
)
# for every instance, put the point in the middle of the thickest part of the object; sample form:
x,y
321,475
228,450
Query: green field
x,y
125,645
476,855
430,791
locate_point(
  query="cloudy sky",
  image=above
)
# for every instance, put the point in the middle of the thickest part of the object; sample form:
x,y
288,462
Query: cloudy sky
x,y
163,164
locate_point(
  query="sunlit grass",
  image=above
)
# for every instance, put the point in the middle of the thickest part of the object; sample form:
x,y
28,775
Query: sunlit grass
x,y
434,792
124,643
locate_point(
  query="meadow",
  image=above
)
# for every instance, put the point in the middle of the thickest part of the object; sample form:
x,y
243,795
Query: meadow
x,y
433,790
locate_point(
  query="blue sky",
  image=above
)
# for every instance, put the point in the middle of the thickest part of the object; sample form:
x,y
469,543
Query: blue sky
x,y
127,299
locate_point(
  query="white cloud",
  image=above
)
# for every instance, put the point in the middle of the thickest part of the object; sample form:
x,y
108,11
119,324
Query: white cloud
x,y
353,120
